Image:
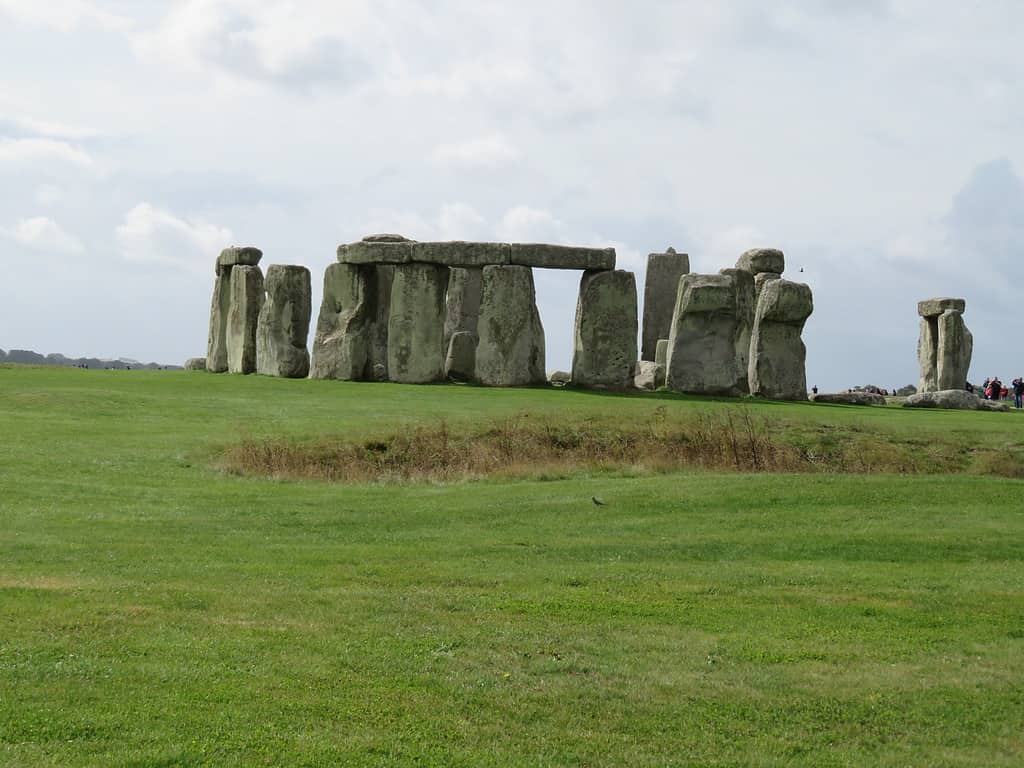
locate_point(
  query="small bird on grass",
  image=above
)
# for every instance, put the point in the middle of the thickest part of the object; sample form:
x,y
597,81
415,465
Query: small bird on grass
x,y
597,501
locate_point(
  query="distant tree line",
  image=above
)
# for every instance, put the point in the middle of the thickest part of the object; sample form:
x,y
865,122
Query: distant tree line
x,y
28,357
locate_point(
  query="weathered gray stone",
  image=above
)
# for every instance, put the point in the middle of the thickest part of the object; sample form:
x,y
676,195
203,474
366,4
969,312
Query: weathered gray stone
x,y
945,346
282,332
604,341
660,286
416,350
462,253
460,363
958,399
195,364
559,378
342,339
746,306
648,375
661,352
377,249
760,279
927,354
462,301
702,356
561,256
232,257
510,351
955,347
381,281
758,260
849,398
935,307
220,308
777,353
244,313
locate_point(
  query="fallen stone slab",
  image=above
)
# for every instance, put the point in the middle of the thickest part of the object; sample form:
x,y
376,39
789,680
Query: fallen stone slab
x,y
561,256
758,260
604,340
461,253
460,362
559,378
510,350
282,332
660,285
416,350
648,375
954,399
246,302
233,257
195,364
849,398
935,307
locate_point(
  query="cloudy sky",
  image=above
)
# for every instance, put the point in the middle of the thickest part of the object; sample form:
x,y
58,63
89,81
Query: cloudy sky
x,y
879,144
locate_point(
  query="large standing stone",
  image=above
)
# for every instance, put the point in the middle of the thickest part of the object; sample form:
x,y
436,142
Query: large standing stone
x,y
510,350
246,302
945,345
341,342
220,308
660,287
661,351
777,353
604,343
416,325
702,356
460,362
463,301
746,307
282,332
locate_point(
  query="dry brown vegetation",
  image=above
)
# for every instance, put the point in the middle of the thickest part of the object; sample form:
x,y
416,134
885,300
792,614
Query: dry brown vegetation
x,y
730,440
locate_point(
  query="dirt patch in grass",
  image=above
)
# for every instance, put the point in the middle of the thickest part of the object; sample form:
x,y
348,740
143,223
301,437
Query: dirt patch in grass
x,y
732,440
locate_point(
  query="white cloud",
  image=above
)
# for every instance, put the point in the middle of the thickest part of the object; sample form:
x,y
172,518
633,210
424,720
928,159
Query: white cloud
x,y
487,152
154,235
42,234
63,15
525,224
30,152
48,194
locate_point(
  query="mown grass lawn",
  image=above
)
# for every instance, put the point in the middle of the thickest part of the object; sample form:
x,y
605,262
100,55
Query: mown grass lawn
x,y
155,610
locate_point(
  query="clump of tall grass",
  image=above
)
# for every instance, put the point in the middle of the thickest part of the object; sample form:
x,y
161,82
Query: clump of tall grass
x,y
730,440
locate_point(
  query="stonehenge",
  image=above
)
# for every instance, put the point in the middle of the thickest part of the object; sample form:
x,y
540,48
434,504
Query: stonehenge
x,y
399,310
945,345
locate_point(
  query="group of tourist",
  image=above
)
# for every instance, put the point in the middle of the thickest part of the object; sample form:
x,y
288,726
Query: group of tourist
x,y
994,389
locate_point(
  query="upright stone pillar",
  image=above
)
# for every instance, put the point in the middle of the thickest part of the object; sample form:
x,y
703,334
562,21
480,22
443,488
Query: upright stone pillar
x,y
465,287
945,345
220,306
777,353
282,332
246,302
510,350
604,342
660,287
702,356
416,324
746,306
342,339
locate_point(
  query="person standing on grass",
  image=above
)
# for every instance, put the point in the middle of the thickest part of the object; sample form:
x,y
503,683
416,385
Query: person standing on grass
x,y
1018,391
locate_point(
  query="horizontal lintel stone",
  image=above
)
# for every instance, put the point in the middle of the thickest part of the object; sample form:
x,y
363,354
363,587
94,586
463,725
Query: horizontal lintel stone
x,y
935,307
232,257
561,256
376,252
461,253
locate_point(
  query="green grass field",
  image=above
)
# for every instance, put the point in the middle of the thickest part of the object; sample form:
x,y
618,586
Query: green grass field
x,y
156,610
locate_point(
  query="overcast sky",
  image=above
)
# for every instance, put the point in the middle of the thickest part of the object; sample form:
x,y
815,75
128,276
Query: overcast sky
x,y
879,144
